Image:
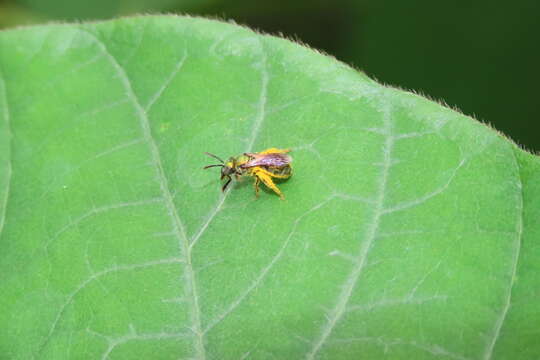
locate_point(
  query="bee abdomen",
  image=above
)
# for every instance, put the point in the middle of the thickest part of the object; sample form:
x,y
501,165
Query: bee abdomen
x,y
281,171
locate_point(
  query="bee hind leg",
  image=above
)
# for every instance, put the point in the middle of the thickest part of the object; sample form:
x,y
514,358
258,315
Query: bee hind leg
x,y
267,180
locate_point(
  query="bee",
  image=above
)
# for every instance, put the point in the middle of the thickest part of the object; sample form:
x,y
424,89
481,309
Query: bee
x,y
263,166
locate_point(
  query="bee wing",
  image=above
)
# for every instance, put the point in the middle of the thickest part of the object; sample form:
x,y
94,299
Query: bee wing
x,y
273,159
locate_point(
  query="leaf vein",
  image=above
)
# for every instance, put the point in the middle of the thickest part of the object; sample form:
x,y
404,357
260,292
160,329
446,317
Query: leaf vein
x,y
133,335
96,211
259,119
513,270
166,83
408,204
4,201
97,276
339,309
433,349
263,97
265,270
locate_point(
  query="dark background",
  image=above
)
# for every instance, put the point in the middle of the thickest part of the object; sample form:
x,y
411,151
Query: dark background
x,y
482,57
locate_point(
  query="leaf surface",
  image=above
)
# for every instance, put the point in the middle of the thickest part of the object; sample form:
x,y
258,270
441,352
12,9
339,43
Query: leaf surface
x,y
408,231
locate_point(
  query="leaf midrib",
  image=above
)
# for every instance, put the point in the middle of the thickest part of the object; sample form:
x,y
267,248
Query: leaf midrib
x,y
179,228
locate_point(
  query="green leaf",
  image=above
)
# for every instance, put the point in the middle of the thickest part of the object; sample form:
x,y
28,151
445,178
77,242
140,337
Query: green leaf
x,y
409,231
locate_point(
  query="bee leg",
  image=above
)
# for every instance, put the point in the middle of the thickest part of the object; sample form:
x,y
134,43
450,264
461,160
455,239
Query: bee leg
x,y
267,180
226,184
256,185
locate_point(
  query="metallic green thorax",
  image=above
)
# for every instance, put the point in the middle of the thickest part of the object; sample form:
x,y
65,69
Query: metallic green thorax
x,y
234,162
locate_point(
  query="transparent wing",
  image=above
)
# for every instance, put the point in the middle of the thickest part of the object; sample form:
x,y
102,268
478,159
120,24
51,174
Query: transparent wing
x,y
274,159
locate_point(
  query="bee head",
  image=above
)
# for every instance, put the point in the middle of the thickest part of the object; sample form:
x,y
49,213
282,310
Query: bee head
x,y
227,168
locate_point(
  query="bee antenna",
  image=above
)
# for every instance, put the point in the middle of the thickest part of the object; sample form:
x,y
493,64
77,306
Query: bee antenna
x,y
209,166
215,157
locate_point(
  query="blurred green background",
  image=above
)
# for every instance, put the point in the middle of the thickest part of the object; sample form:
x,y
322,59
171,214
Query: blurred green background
x,y
482,57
